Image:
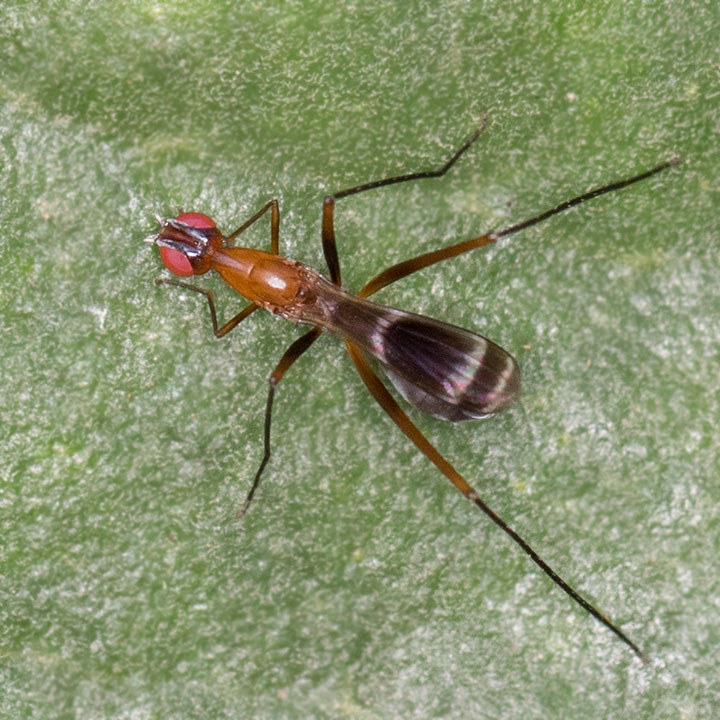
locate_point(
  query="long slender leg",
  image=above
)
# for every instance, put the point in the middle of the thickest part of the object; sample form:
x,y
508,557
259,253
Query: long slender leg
x,y
291,355
230,324
274,225
398,416
408,267
328,224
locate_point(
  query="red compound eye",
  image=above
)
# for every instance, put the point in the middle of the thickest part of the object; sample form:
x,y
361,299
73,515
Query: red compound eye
x,y
196,220
176,261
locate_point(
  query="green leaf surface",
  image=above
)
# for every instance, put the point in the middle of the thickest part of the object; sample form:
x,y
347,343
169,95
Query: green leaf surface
x,y
360,584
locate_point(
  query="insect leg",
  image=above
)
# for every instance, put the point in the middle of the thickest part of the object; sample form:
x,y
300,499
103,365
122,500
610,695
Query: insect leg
x,y
408,267
291,355
398,416
274,226
230,324
328,226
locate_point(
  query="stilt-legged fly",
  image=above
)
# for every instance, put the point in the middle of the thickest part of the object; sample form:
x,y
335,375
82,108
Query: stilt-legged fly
x,y
439,368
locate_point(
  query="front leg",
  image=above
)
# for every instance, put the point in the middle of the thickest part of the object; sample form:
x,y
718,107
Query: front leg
x,y
274,226
328,221
220,331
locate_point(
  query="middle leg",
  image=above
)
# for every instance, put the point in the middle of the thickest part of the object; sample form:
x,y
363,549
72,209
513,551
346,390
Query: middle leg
x,y
295,350
328,218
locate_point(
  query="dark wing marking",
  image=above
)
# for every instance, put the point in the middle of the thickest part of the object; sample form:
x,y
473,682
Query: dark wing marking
x,y
439,368
447,371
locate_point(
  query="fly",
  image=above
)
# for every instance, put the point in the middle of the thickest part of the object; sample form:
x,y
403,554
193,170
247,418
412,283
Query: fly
x,y
440,369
